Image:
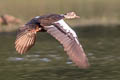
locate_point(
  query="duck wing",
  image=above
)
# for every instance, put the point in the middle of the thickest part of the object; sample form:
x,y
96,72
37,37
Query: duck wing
x,y
26,36
68,38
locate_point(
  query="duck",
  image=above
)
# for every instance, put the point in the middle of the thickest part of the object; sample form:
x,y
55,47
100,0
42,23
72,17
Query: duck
x,y
54,25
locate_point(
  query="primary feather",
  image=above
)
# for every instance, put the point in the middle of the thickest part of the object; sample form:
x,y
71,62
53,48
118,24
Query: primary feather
x,y
68,38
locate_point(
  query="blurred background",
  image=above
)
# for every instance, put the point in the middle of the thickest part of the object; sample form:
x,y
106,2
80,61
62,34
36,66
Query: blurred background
x,y
91,11
98,30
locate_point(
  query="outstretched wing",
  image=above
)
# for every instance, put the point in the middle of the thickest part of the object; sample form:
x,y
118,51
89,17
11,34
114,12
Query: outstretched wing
x,y
26,37
68,38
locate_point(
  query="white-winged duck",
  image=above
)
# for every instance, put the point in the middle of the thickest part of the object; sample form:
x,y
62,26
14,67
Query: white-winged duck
x,y
55,26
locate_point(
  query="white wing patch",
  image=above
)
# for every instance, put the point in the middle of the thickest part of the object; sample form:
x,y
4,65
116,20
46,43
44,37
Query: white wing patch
x,y
37,17
66,27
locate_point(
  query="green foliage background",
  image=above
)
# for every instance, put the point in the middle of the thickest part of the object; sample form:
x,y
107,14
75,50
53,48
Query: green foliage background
x,y
90,11
86,8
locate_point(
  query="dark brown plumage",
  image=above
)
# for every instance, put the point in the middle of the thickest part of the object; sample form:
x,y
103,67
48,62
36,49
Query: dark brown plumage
x,y
55,26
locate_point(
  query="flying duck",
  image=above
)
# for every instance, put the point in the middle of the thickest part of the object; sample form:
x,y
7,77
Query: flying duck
x,y
56,27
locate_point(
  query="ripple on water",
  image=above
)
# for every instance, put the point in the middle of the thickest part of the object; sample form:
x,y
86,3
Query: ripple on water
x,y
15,59
45,59
30,56
55,56
69,62
29,59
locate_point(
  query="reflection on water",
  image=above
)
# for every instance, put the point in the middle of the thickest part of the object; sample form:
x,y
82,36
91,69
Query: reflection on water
x,y
47,60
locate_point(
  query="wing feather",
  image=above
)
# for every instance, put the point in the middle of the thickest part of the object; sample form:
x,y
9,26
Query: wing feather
x,y
25,38
70,43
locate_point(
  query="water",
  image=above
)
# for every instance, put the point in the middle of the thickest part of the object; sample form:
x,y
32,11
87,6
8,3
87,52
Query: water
x,y
47,60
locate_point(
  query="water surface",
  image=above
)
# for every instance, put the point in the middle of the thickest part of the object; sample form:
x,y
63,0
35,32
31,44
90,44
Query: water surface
x,y
47,60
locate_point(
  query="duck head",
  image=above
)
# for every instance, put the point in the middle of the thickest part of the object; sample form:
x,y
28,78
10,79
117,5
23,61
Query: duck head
x,y
71,15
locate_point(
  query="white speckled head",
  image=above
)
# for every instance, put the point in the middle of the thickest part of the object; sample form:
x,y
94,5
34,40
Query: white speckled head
x,y
71,15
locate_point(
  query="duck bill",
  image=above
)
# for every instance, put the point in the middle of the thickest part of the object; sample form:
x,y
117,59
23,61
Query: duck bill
x,y
77,17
